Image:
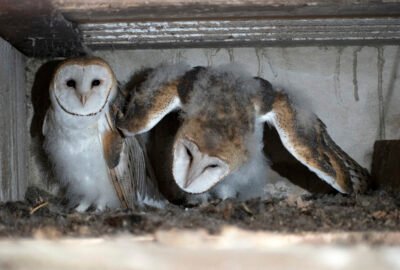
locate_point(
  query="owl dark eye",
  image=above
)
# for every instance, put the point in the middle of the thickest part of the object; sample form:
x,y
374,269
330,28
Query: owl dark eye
x,y
95,83
212,166
71,83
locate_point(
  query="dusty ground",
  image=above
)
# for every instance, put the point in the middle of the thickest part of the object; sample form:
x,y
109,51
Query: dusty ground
x,y
42,215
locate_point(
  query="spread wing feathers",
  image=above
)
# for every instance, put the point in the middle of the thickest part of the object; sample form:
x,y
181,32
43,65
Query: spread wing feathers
x,y
305,136
153,94
131,179
359,176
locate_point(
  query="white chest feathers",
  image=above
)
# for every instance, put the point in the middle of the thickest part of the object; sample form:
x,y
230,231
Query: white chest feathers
x,y
80,93
78,159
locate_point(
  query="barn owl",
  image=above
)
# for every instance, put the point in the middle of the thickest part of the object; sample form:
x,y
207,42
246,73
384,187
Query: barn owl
x,y
99,168
218,147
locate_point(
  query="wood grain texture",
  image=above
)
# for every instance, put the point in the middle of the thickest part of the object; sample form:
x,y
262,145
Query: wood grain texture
x,y
62,28
386,165
13,131
104,10
232,249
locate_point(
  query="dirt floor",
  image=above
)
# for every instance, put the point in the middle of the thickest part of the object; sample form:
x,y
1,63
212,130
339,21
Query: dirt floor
x,y
43,216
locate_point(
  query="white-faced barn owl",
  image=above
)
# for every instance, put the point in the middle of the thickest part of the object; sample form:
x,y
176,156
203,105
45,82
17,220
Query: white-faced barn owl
x,y
217,149
99,168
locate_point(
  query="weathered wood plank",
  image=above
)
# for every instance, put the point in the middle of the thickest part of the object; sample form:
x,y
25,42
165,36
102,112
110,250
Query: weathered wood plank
x,y
386,165
236,33
52,27
139,10
233,249
13,131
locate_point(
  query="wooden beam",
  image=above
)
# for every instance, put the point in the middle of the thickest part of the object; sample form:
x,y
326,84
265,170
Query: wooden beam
x,y
139,10
37,29
237,33
386,165
234,249
51,28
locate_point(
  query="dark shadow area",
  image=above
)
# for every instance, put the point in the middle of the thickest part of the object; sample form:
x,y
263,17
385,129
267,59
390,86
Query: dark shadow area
x,y
40,96
161,139
385,169
287,166
41,102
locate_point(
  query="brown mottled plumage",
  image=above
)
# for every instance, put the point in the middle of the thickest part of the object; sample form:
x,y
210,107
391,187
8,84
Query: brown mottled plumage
x,y
220,138
313,146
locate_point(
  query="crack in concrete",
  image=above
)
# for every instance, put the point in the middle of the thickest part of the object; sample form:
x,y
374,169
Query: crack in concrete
x,y
380,65
336,78
355,79
230,54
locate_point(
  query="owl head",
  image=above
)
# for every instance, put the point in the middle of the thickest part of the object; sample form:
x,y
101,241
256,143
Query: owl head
x,y
218,108
82,87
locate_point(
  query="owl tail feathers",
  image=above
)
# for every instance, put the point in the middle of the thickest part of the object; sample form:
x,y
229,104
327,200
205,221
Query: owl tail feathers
x,y
305,136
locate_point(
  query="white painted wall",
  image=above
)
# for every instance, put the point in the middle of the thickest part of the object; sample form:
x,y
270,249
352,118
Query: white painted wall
x,y
354,90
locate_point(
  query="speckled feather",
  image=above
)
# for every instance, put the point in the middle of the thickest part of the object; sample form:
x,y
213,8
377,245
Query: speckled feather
x,y
223,110
311,144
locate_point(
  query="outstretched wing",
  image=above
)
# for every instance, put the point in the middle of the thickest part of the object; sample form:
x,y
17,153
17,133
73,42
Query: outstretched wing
x,y
153,96
305,136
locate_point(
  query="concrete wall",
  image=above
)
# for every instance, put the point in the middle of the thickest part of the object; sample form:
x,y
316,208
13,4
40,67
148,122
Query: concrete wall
x,y
13,133
354,90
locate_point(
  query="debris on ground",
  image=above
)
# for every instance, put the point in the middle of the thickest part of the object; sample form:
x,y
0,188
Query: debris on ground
x,y
42,215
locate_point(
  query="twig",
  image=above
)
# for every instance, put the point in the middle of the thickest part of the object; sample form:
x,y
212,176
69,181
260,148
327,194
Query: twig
x,y
43,204
246,209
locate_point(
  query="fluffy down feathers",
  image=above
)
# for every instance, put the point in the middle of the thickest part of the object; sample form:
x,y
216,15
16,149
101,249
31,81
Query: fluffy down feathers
x,y
223,111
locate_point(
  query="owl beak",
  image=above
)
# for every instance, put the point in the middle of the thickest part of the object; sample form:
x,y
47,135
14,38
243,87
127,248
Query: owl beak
x,y
194,171
83,99
192,174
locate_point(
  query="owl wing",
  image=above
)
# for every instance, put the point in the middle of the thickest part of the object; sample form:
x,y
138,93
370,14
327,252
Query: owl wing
x,y
132,179
130,171
305,136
